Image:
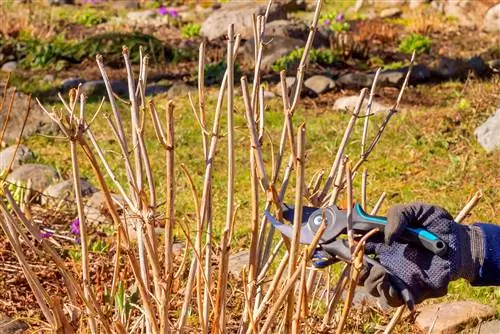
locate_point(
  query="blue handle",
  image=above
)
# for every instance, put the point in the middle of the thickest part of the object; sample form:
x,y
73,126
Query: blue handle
x,y
414,235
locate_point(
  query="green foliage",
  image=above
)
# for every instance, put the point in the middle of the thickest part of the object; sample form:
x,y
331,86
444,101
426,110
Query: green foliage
x,y
40,54
191,30
90,17
330,20
322,57
98,246
395,65
123,301
214,72
415,42
463,104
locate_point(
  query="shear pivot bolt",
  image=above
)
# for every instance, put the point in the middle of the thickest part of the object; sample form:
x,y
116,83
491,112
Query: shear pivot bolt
x,y
317,220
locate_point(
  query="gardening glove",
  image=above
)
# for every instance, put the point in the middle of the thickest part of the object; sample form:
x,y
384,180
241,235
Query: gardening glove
x,y
425,274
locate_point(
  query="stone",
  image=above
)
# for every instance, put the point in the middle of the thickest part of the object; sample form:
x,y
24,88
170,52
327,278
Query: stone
x,y
125,4
413,4
488,134
155,89
64,190
479,66
11,326
70,83
179,90
60,2
494,65
419,74
390,13
141,16
238,261
41,176
298,30
278,47
21,155
452,317
449,68
38,121
9,66
356,80
269,95
362,297
319,84
49,78
463,11
291,85
95,209
491,20
490,327
177,248
349,103
97,87
239,14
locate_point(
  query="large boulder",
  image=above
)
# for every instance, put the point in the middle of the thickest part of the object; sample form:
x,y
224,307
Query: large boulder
x,y
64,190
348,103
41,176
449,318
38,121
277,47
240,14
319,84
488,134
21,154
491,20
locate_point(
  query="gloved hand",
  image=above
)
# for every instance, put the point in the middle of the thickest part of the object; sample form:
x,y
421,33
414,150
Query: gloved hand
x,y
425,274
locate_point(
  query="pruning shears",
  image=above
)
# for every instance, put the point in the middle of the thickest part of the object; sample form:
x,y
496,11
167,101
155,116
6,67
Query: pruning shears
x,y
331,248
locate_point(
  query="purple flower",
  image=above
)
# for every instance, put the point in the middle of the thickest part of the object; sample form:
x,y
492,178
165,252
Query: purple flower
x,y
45,235
162,10
75,227
339,17
172,12
327,22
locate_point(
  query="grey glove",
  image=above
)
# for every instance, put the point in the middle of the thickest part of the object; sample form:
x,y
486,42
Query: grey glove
x,y
425,274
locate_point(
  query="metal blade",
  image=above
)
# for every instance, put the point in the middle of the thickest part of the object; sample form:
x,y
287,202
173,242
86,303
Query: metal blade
x,y
306,236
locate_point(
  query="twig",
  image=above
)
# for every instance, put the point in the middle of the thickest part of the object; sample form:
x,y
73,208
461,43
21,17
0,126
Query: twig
x,y
394,320
378,204
469,206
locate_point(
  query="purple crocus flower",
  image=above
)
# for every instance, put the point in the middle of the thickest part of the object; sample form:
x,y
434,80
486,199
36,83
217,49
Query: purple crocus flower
x,y
327,22
339,17
74,228
172,12
45,235
162,10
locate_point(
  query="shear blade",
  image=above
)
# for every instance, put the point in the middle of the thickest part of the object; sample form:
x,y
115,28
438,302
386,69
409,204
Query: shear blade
x,y
306,236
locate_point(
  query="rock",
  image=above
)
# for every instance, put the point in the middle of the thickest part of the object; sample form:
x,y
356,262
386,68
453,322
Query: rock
x,y
49,78
278,47
125,4
155,89
177,248
95,209
269,95
298,30
38,121
238,261
478,65
9,66
291,83
419,74
141,16
64,190
11,326
349,103
69,83
451,317
490,327
239,13
390,13
60,2
463,11
491,20
494,65
488,134
22,154
41,176
97,87
449,68
416,3
319,84
179,90
356,80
